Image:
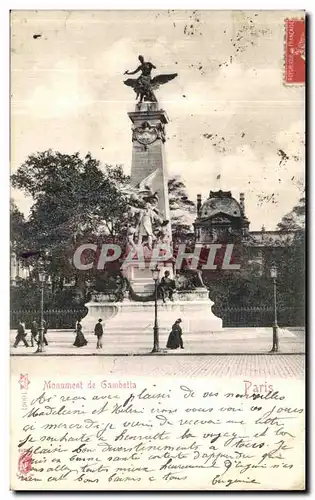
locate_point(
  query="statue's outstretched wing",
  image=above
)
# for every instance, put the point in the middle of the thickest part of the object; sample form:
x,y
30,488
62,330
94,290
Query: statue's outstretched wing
x,y
161,79
146,183
131,82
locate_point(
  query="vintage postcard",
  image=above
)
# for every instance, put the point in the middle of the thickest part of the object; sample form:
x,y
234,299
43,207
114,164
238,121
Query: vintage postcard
x,y
157,332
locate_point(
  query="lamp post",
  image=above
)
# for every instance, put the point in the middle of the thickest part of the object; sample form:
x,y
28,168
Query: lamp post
x,y
41,277
275,337
155,276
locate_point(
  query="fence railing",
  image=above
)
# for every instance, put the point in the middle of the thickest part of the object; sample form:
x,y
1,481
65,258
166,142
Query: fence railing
x,y
259,316
232,316
56,318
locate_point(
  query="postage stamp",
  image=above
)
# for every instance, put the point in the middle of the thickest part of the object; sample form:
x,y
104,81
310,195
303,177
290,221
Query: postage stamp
x,y
295,51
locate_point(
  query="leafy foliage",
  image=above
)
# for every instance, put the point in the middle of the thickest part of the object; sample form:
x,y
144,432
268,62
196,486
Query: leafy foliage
x,y
17,227
74,202
253,286
294,220
182,210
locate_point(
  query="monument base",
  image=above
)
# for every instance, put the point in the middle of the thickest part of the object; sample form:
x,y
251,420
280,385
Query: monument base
x,y
193,307
141,278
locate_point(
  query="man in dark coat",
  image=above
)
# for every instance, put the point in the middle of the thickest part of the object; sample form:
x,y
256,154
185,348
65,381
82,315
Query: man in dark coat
x,y
98,331
34,332
21,334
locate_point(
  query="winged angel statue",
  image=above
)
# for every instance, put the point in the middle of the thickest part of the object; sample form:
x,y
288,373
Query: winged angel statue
x,y
144,86
145,221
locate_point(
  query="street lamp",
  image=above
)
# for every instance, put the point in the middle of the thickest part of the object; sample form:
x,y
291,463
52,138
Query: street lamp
x,y
275,337
155,276
41,277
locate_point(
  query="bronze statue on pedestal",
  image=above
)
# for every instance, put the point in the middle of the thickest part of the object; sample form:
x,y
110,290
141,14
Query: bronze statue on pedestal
x,y
145,85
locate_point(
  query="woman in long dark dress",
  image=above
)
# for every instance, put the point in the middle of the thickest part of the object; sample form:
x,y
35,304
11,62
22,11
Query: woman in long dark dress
x,y
175,337
80,340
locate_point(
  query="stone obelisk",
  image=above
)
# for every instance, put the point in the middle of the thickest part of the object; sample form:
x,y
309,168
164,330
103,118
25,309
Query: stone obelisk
x,y
149,172
148,165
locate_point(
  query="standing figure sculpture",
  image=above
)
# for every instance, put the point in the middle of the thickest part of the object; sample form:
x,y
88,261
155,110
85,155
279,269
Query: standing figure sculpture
x,y
145,219
147,216
144,85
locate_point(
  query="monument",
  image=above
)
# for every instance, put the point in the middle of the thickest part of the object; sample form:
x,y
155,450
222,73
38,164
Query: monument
x,y
150,236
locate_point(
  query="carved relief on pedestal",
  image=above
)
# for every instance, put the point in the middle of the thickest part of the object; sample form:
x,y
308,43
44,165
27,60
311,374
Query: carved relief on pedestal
x,y
147,134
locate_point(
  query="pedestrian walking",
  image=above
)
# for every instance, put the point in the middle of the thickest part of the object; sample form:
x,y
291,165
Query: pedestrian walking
x,y
34,332
175,339
21,334
45,328
98,331
80,340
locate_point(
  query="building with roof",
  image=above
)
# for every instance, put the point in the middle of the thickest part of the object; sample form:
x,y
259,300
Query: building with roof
x,y
221,219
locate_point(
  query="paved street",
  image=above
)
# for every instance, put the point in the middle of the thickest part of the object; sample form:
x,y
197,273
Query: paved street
x,y
264,366
261,366
229,340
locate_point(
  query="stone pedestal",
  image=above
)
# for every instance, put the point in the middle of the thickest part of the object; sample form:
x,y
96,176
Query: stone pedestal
x,y
141,279
194,308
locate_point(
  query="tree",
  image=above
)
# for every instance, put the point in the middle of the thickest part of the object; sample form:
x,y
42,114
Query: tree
x,y
181,209
75,201
291,265
294,220
17,228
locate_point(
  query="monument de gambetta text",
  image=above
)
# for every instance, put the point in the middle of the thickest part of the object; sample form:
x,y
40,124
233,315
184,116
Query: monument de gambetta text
x,y
149,234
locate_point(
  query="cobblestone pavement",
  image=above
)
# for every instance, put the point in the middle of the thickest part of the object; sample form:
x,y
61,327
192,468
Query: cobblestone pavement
x,y
266,368
276,366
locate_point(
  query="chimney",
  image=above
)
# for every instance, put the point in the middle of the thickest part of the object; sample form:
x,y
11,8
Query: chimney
x,y
242,203
199,203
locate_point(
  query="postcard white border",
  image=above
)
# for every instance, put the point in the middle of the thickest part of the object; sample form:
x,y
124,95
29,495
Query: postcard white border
x,y
4,177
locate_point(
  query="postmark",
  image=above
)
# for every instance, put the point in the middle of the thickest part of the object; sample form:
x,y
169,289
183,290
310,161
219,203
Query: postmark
x,y
25,462
294,52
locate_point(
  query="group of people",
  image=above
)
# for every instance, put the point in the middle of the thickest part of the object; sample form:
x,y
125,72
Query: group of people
x,y
80,340
174,339
22,334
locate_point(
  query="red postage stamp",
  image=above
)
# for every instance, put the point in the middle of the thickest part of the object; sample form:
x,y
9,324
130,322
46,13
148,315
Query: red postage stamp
x,y
25,462
294,51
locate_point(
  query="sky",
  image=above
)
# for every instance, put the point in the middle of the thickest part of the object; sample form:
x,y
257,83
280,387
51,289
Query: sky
x,y
234,124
